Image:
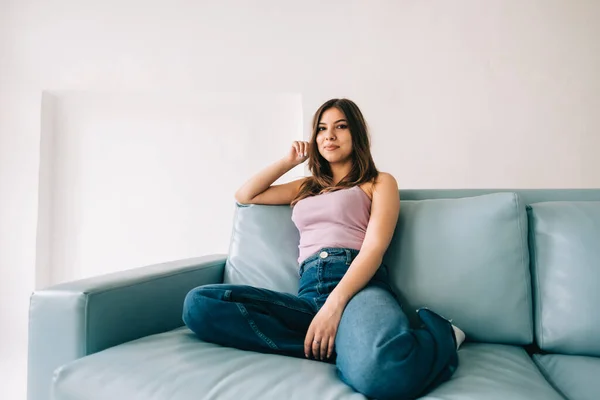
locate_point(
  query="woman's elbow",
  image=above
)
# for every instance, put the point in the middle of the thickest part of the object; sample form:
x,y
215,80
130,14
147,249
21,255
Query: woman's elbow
x,y
241,198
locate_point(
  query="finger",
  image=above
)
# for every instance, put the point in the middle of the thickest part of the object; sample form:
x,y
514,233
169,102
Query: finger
x,y
305,148
307,348
296,147
324,347
330,347
316,349
308,342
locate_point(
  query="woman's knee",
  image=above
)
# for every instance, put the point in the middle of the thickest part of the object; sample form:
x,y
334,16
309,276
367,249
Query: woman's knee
x,y
384,371
377,380
197,306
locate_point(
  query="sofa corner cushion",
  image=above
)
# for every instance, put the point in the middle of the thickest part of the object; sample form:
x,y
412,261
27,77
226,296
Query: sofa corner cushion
x,y
263,250
467,259
565,254
576,377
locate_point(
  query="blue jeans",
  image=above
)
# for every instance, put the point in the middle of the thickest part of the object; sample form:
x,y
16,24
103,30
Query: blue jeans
x,y
376,351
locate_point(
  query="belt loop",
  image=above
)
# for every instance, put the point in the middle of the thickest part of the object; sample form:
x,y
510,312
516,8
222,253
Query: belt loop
x,y
348,256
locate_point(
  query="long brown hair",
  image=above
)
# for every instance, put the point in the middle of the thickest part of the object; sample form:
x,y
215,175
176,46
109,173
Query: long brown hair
x,y
363,167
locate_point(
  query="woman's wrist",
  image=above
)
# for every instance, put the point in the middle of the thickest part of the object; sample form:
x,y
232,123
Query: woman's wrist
x,y
287,164
338,300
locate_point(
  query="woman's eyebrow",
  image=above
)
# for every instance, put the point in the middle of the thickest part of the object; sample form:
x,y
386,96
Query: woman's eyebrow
x,y
339,120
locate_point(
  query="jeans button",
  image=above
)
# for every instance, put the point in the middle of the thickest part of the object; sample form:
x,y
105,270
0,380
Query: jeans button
x,y
323,254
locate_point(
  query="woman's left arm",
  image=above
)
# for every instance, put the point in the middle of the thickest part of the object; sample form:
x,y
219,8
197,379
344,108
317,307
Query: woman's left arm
x,y
384,217
385,207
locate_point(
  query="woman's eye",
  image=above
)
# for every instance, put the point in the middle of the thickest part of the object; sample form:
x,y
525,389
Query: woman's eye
x,y
342,126
319,129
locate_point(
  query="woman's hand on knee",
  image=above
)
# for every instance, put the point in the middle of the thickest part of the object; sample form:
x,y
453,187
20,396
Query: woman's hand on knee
x,y
320,337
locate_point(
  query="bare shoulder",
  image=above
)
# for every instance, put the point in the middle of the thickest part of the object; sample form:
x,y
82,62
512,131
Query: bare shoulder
x,y
385,194
385,182
385,179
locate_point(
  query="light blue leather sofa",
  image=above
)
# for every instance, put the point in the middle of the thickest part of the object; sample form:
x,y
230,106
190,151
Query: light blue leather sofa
x,y
517,270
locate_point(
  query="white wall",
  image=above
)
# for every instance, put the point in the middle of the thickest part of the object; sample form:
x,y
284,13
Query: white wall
x,y
136,178
467,93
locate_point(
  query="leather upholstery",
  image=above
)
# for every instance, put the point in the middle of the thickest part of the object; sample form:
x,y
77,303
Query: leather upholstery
x,y
480,255
263,251
112,336
526,196
72,320
176,366
466,259
565,244
576,377
494,372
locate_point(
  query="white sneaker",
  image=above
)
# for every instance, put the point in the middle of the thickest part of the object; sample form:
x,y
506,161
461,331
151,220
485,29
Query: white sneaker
x,y
460,336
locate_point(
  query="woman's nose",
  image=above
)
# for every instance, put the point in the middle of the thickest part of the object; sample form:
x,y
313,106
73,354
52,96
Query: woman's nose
x,y
329,135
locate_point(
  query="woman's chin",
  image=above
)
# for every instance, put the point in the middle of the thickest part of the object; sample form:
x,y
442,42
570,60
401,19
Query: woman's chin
x,y
336,159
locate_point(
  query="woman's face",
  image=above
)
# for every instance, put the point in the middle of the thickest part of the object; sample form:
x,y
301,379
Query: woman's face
x,y
333,136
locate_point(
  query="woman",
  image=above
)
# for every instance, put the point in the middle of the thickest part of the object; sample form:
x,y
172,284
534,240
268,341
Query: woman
x,y
345,311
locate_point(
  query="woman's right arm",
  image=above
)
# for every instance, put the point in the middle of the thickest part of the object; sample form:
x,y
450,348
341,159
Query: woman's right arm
x,y
260,189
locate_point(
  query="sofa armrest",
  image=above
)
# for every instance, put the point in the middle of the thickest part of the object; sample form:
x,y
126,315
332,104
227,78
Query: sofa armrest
x,y
71,320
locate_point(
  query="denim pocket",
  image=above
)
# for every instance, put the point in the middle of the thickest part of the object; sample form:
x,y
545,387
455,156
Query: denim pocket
x,y
307,265
334,269
309,280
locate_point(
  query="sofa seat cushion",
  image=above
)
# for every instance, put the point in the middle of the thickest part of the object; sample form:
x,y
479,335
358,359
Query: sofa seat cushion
x,y
176,365
495,372
576,377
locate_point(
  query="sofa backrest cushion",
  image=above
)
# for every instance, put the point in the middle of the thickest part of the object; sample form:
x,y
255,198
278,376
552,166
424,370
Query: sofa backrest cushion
x,y
468,260
565,255
465,258
263,250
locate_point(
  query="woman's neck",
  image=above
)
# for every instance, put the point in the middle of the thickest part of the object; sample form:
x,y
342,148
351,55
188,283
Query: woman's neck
x,y
339,171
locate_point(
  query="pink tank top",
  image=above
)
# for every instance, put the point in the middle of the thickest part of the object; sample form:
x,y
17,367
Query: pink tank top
x,y
333,219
